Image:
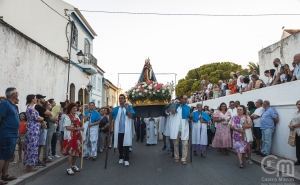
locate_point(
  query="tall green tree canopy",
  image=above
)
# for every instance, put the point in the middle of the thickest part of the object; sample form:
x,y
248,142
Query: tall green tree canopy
x,y
214,72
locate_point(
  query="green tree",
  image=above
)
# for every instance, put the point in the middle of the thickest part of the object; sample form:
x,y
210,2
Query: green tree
x,y
213,71
253,66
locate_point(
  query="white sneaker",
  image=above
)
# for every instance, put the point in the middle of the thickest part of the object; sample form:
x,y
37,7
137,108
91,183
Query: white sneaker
x,y
126,163
130,149
49,157
121,161
101,150
249,162
56,156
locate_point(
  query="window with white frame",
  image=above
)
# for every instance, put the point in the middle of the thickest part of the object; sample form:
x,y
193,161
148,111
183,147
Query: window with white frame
x,y
94,81
99,84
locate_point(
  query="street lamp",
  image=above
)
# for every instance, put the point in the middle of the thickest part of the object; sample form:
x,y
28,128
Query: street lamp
x,y
80,56
89,87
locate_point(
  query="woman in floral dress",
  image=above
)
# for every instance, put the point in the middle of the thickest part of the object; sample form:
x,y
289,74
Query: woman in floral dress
x,y
72,138
31,143
222,137
238,124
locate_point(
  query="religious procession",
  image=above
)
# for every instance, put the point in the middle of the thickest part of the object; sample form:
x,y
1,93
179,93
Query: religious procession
x,y
81,104
146,112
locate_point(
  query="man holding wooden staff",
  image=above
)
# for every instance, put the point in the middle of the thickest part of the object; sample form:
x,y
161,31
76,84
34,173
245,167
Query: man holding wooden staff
x,y
123,129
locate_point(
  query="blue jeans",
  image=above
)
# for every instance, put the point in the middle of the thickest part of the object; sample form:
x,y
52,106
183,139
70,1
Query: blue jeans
x,y
267,140
168,145
53,143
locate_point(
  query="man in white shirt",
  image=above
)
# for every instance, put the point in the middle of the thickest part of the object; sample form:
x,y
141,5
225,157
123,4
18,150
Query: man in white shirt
x,y
243,85
223,87
238,83
209,86
256,120
296,74
232,109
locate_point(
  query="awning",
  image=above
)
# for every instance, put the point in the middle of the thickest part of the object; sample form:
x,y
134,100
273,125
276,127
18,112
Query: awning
x,y
89,70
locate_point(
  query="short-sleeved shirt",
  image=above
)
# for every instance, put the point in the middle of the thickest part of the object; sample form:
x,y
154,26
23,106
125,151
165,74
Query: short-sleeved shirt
x,y
267,118
41,110
259,111
22,128
232,112
223,86
10,124
95,116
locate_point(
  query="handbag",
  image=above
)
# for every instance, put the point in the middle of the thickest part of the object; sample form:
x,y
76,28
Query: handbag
x,y
249,136
292,138
44,125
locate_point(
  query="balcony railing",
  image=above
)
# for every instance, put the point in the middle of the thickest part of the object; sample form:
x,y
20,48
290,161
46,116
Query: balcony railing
x,y
90,59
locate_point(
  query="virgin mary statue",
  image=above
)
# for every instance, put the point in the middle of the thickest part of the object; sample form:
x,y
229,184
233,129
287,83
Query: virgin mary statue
x,y
147,73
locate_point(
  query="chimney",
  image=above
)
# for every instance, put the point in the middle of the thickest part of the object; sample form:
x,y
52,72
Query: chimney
x,y
1,17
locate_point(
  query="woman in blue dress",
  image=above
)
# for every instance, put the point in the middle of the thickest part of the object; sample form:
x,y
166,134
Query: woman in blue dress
x,y
32,134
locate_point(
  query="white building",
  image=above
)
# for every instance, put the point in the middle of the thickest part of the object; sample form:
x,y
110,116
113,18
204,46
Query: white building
x,y
96,92
285,49
51,30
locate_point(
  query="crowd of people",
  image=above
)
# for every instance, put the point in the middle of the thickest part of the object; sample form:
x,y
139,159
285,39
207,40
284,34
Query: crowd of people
x,y
239,84
247,129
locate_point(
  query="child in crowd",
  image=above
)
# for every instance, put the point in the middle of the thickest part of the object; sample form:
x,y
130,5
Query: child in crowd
x,y
22,132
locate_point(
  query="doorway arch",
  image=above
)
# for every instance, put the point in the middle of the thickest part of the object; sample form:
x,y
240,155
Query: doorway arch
x,y
72,92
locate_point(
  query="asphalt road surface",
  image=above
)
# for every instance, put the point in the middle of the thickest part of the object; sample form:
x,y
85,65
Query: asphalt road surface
x,y
149,165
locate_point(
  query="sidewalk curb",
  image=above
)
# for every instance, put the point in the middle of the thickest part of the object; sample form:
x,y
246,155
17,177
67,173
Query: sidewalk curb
x,y
257,162
28,177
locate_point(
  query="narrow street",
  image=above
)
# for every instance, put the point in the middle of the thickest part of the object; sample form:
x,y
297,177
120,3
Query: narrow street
x,y
150,165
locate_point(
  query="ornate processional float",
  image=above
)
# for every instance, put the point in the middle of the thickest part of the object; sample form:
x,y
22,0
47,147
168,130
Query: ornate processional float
x,y
149,97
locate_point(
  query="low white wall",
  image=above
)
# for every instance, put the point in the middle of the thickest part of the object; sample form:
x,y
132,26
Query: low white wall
x,y
283,99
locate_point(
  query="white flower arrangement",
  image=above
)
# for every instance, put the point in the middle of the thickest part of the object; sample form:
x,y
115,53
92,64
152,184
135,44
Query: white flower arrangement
x,y
152,91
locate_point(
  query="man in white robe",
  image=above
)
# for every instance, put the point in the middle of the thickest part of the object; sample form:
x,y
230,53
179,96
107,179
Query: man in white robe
x,y
123,129
151,127
180,128
91,127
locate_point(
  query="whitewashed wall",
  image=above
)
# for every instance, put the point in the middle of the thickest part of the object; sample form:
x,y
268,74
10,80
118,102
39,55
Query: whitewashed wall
x,y
48,28
284,50
283,99
32,69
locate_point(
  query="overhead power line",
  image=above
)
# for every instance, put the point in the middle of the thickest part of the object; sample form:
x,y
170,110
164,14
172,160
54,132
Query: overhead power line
x,y
183,14
55,10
